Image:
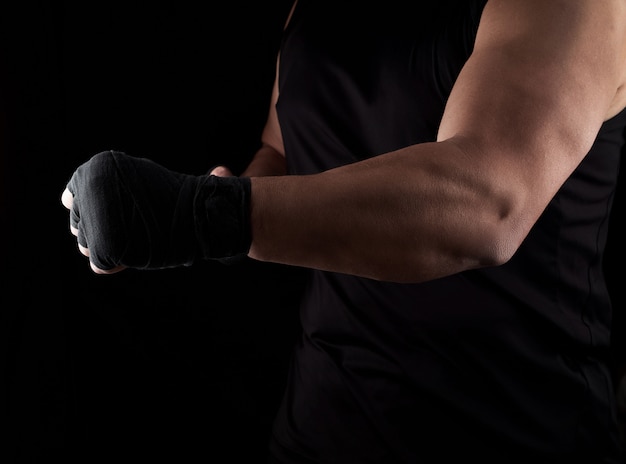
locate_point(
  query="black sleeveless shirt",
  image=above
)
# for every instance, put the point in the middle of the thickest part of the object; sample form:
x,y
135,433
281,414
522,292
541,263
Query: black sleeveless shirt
x,y
505,364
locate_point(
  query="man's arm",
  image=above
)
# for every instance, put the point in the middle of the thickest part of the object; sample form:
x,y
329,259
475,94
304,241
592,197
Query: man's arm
x,y
269,160
524,111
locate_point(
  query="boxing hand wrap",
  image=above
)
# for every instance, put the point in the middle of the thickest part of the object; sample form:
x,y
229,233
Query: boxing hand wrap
x,y
133,212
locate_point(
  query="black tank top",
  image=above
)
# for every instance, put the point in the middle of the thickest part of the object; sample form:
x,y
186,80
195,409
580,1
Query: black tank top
x,y
505,364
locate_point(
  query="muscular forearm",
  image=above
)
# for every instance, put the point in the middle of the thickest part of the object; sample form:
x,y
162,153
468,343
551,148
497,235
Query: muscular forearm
x,y
394,217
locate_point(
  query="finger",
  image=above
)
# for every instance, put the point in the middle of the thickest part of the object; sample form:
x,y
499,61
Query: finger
x,y
97,270
74,218
82,249
67,199
220,171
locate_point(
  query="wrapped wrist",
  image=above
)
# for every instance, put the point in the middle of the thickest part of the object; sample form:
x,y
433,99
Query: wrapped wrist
x,y
222,216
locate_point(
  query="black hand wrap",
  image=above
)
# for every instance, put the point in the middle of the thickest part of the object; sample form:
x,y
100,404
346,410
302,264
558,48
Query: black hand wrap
x,y
133,212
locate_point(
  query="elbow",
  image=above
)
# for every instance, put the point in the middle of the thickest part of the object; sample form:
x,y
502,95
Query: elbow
x,y
498,251
506,219
495,232
497,245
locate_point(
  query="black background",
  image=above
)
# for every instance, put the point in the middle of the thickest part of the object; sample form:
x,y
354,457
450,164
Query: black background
x,y
185,364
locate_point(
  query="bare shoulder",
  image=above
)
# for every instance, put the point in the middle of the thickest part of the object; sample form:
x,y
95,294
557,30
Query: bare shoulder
x,y
554,70
587,36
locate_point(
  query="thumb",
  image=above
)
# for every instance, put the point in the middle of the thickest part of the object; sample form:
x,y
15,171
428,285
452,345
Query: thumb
x,y
220,171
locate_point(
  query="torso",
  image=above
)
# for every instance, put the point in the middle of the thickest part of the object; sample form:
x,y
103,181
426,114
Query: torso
x,y
461,347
